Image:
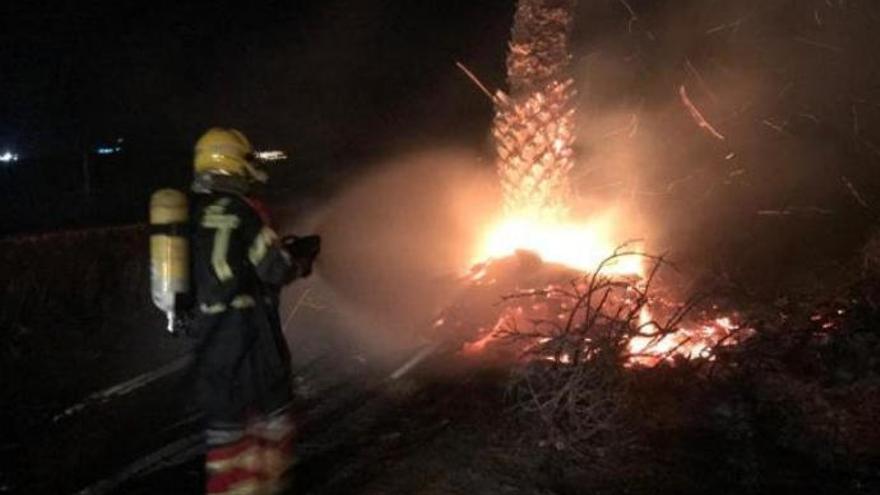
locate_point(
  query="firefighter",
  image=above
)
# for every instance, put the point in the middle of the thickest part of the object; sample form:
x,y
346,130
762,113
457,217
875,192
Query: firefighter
x,y
242,368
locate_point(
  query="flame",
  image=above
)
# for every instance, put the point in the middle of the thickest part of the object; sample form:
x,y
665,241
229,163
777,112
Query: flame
x,y
534,132
691,341
579,245
584,246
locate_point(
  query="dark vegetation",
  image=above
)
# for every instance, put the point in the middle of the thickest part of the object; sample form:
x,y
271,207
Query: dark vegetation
x,y
788,403
75,318
791,408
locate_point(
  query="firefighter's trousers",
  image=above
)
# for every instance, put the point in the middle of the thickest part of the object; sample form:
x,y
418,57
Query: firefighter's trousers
x,y
243,386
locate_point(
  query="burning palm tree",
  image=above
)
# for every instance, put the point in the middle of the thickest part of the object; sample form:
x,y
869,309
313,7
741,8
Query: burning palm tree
x,y
534,124
534,132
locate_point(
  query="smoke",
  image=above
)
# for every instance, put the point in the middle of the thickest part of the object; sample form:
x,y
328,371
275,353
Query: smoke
x,y
789,89
780,185
396,239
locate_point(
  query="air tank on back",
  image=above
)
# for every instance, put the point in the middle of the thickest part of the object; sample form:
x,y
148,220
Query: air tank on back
x,y
169,253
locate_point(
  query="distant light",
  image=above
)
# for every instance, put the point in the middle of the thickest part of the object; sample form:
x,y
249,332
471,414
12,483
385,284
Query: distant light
x,y
108,150
270,156
9,157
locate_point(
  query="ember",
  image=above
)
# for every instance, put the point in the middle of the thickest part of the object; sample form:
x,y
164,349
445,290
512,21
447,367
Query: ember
x,y
539,239
573,308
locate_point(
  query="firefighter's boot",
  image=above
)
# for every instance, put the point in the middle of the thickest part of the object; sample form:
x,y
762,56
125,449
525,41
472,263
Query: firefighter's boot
x,y
233,467
275,435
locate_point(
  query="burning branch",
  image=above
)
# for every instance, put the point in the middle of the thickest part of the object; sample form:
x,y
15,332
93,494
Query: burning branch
x,y
573,378
697,115
579,340
470,75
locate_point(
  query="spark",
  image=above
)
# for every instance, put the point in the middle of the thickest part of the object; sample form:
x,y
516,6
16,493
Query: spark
x,y
697,115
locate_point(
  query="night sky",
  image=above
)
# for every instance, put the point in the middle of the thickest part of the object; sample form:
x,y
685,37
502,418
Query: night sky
x,y
287,71
336,83
345,85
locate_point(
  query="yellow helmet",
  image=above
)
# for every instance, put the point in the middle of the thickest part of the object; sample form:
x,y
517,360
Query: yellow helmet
x,y
226,152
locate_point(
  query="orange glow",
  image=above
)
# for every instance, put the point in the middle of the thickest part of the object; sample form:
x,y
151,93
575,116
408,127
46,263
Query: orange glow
x,y
477,346
534,133
691,341
582,246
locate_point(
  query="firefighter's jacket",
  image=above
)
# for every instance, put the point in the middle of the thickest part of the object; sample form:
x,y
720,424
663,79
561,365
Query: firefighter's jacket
x,y
239,266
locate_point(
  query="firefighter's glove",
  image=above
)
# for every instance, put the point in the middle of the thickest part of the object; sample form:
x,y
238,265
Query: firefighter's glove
x,y
303,251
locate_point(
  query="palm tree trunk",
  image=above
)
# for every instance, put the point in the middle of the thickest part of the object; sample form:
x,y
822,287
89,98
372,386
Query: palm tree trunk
x,y
534,126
